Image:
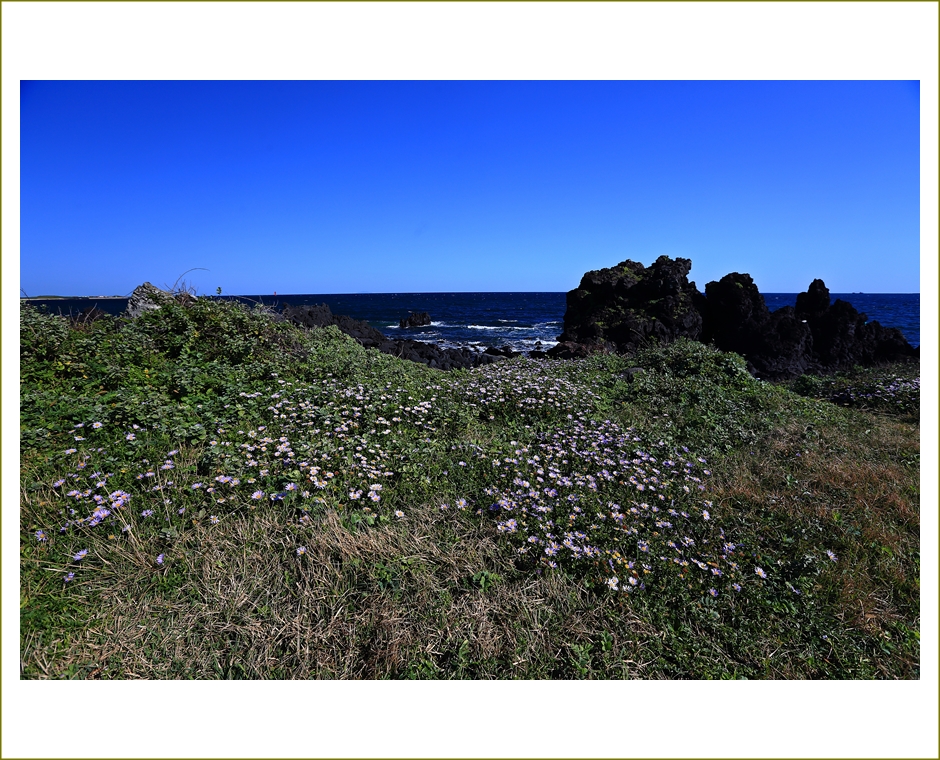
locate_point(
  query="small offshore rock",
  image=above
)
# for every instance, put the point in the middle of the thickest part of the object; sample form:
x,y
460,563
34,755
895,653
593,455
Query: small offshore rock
x,y
415,319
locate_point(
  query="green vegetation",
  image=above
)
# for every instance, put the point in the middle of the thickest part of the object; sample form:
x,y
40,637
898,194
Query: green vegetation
x,y
209,492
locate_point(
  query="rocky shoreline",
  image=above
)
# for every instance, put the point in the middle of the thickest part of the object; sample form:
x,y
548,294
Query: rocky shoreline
x,y
625,308
148,296
412,350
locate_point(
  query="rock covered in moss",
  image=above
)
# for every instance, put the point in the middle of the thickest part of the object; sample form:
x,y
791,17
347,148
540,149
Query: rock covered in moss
x,y
628,306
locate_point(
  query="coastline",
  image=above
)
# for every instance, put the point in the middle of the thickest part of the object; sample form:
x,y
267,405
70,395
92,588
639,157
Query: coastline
x,y
73,298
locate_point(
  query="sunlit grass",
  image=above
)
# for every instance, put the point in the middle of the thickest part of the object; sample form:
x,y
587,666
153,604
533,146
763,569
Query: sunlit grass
x,y
211,493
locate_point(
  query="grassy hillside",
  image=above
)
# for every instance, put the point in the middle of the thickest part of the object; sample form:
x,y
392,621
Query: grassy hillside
x,y
207,492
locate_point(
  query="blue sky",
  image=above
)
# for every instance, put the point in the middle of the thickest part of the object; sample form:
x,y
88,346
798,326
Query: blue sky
x,y
358,187
520,189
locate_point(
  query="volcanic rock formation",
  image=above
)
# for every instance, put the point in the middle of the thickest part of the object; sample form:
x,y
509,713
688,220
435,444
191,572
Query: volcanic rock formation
x,y
415,319
629,306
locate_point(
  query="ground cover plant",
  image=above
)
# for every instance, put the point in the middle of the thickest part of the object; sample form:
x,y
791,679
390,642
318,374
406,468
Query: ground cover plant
x,y
211,492
896,392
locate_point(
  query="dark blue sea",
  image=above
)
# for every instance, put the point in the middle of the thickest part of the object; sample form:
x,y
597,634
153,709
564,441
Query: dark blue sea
x,y
523,321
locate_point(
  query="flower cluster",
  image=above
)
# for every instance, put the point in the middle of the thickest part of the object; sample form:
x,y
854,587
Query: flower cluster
x,y
589,498
586,495
531,385
893,393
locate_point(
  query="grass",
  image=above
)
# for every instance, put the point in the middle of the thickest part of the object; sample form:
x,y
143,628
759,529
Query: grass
x,y
259,501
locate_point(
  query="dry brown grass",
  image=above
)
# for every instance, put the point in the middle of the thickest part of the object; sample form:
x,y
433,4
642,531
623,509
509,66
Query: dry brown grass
x,y
851,489
385,602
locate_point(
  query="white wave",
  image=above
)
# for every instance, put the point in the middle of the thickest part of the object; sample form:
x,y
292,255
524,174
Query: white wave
x,y
487,327
507,320
522,345
526,344
433,324
441,343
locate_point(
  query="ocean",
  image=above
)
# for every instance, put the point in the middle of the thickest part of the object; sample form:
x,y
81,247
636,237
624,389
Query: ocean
x,y
522,321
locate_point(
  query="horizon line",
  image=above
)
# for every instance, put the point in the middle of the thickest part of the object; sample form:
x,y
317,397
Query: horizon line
x,y
452,292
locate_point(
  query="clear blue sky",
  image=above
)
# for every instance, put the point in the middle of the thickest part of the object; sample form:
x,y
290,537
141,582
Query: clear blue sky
x,y
359,187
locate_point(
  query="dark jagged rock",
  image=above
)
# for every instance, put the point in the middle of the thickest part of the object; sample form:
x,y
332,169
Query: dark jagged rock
x,y
538,352
814,303
415,319
629,306
734,310
736,318
366,335
309,316
843,336
813,337
506,351
572,350
785,349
